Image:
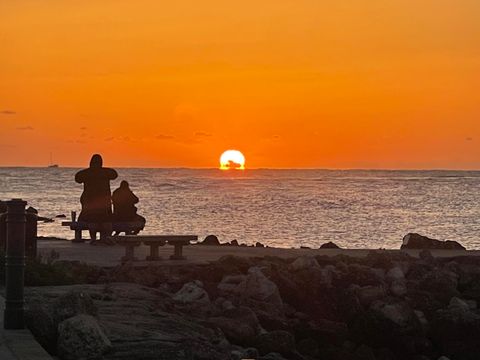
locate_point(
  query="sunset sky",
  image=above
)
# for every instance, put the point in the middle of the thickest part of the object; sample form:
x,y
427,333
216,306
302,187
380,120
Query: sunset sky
x,y
300,83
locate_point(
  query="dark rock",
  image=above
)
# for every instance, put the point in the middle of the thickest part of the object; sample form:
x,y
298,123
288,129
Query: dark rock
x,y
364,352
31,210
426,255
308,347
211,240
259,244
304,263
240,325
369,294
71,304
40,321
276,341
386,324
455,331
3,207
81,337
385,259
234,243
329,245
416,241
242,354
440,283
272,356
360,275
61,216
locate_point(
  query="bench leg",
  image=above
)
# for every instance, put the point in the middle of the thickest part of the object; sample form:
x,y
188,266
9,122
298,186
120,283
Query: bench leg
x,y
177,255
78,237
129,253
153,253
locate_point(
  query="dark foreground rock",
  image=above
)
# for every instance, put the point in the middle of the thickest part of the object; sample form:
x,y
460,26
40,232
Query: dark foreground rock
x,y
416,241
385,306
329,245
211,240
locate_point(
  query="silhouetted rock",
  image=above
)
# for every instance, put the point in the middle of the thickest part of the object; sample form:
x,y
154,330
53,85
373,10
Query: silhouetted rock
x,y
259,244
234,243
416,241
211,240
386,306
329,245
61,216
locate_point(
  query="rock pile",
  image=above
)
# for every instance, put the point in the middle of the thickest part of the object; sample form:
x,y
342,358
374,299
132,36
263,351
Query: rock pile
x,y
385,306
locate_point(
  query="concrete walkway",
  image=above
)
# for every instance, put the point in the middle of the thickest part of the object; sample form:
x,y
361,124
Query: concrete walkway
x,y
109,256
19,344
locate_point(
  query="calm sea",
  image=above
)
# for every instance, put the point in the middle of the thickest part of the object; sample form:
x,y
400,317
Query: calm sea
x,y
283,208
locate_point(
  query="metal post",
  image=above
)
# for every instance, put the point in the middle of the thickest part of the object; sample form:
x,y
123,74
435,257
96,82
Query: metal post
x,y
15,265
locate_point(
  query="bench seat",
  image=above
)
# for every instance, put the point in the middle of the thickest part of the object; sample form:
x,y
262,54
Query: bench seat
x,y
118,227
154,242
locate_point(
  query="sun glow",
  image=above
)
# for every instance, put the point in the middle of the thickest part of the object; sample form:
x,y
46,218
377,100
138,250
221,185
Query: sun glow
x,y
232,160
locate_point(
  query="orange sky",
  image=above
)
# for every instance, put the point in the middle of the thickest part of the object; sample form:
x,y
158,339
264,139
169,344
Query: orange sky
x,y
301,83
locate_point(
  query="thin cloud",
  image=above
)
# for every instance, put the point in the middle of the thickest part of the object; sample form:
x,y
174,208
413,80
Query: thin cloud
x,y
110,138
202,134
7,112
164,137
25,128
469,139
83,128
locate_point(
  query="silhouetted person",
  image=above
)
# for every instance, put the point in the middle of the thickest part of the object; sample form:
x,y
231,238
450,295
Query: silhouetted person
x,y
96,198
124,209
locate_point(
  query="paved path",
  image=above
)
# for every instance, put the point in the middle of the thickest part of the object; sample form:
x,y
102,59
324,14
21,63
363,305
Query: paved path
x,y
197,254
19,344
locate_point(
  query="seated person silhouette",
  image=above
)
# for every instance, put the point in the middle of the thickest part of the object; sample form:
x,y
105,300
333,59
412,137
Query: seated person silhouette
x,y
96,198
124,209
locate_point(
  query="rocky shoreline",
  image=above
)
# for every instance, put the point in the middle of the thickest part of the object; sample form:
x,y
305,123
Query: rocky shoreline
x,y
384,306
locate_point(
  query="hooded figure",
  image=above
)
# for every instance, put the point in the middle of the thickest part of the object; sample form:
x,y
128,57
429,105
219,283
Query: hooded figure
x,y
124,201
96,197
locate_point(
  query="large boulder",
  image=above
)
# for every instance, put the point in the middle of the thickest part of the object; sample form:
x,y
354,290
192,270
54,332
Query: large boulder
x,y
329,245
455,330
81,338
240,325
416,241
211,240
192,293
261,293
304,263
73,303
387,324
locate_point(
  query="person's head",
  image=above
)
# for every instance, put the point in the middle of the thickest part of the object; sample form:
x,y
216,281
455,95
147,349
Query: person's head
x,y
124,185
96,161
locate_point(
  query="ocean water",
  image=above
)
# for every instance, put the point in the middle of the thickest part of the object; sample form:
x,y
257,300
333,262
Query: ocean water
x,y
282,208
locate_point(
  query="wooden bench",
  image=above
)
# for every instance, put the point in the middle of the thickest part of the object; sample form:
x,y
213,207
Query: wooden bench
x,y
130,242
118,227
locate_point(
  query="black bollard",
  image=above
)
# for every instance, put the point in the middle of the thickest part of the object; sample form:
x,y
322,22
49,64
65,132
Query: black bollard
x,y
15,265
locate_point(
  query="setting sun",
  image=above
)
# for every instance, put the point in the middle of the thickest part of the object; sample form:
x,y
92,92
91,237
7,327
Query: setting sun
x,y
232,159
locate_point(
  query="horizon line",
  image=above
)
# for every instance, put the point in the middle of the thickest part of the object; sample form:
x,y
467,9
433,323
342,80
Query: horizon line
x,y
246,169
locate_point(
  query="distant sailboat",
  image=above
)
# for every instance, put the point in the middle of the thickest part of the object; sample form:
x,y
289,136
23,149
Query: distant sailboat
x,y
52,165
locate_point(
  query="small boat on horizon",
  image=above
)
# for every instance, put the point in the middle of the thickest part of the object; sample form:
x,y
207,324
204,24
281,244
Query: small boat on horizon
x,y
52,165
